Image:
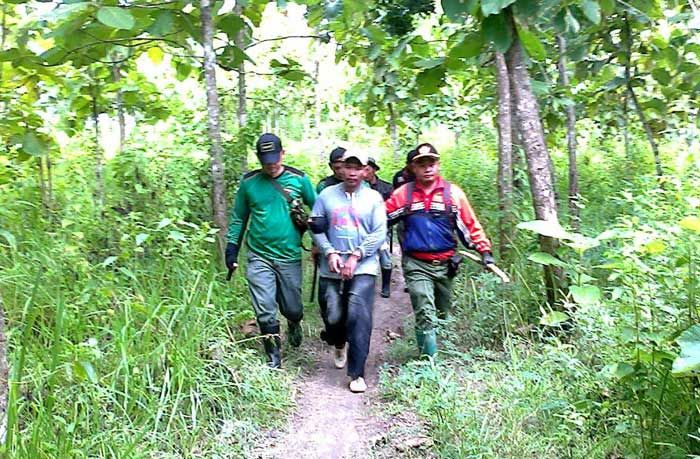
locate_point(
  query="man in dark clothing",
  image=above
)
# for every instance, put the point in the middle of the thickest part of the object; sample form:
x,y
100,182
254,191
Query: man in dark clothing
x,y
385,189
336,164
404,175
260,215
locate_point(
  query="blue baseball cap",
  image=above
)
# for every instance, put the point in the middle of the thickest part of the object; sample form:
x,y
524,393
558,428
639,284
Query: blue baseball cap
x,y
269,148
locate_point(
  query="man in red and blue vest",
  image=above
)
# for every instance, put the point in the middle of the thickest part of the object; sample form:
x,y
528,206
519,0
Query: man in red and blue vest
x,y
433,212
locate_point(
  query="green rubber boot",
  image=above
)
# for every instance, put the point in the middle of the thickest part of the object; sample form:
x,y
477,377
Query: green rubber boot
x,y
427,342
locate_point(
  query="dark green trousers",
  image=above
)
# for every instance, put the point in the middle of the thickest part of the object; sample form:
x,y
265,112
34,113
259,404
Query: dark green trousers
x,y
430,290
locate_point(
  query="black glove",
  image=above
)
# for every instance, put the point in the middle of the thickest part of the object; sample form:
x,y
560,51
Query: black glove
x,y
231,255
487,258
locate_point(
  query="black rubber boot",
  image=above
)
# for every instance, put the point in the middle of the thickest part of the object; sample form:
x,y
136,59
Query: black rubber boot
x,y
294,333
272,346
386,283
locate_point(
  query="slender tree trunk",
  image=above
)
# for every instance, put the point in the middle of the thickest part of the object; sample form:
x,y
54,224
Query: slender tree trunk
x,y
625,128
627,36
317,100
242,108
505,156
574,218
98,194
218,195
519,166
394,132
49,176
119,102
537,156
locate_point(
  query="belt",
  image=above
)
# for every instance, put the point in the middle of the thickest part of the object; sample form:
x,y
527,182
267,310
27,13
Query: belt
x,y
432,262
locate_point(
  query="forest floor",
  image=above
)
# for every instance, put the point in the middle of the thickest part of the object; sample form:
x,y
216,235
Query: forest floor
x,y
329,421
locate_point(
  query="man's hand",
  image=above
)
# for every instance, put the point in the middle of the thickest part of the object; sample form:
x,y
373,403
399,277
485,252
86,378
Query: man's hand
x,y
335,264
348,270
231,256
487,259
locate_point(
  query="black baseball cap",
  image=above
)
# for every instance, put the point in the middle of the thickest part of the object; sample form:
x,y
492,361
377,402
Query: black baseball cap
x,y
372,163
269,148
337,154
425,150
410,155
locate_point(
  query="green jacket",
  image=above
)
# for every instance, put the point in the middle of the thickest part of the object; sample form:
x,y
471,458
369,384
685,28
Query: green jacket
x,y
264,211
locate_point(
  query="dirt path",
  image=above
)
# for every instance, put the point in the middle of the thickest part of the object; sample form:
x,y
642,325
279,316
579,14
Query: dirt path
x,y
330,421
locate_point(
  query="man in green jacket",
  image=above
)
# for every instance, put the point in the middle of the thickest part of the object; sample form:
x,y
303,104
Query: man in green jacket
x,y
274,243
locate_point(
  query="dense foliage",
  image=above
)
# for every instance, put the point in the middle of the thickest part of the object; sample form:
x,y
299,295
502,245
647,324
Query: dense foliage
x,y
123,340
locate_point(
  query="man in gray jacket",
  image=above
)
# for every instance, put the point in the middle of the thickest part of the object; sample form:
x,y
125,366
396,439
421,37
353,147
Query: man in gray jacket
x,y
349,225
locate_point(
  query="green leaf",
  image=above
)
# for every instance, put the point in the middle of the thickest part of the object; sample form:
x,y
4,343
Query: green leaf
x,y
591,9
547,228
544,258
618,370
141,238
292,75
489,7
585,294
10,238
553,318
164,222
571,22
33,145
497,31
691,223
115,17
163,24
108,261
182,71
688,362
230,24
655,247
469,47
428,63
458,10
608,6
430,80
532,44
177,236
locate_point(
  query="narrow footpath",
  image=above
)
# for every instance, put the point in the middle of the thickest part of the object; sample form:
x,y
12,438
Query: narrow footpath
x,y
330,422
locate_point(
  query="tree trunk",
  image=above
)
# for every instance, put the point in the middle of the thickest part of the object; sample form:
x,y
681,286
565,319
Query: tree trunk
x,y
98,194
574,219
317,100
505,157
627,35
119,102
394,132
218,195
517,149
49,176
42,181
625,128
537,156
241,109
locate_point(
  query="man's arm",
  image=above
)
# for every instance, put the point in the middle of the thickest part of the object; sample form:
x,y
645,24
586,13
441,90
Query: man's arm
x,y
396,205
308,195
468,226
377,229
237,226
320,239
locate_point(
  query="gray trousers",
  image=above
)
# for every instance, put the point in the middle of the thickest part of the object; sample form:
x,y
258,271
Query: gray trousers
x,y
272,285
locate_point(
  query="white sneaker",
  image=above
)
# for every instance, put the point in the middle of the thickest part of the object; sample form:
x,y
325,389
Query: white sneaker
x,y
340,356
358,385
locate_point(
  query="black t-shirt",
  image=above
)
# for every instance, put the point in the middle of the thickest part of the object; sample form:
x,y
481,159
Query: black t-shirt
x,y
402,177
383,188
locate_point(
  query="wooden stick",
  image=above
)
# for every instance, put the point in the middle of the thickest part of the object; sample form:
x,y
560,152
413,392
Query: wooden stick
x,y
491,267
